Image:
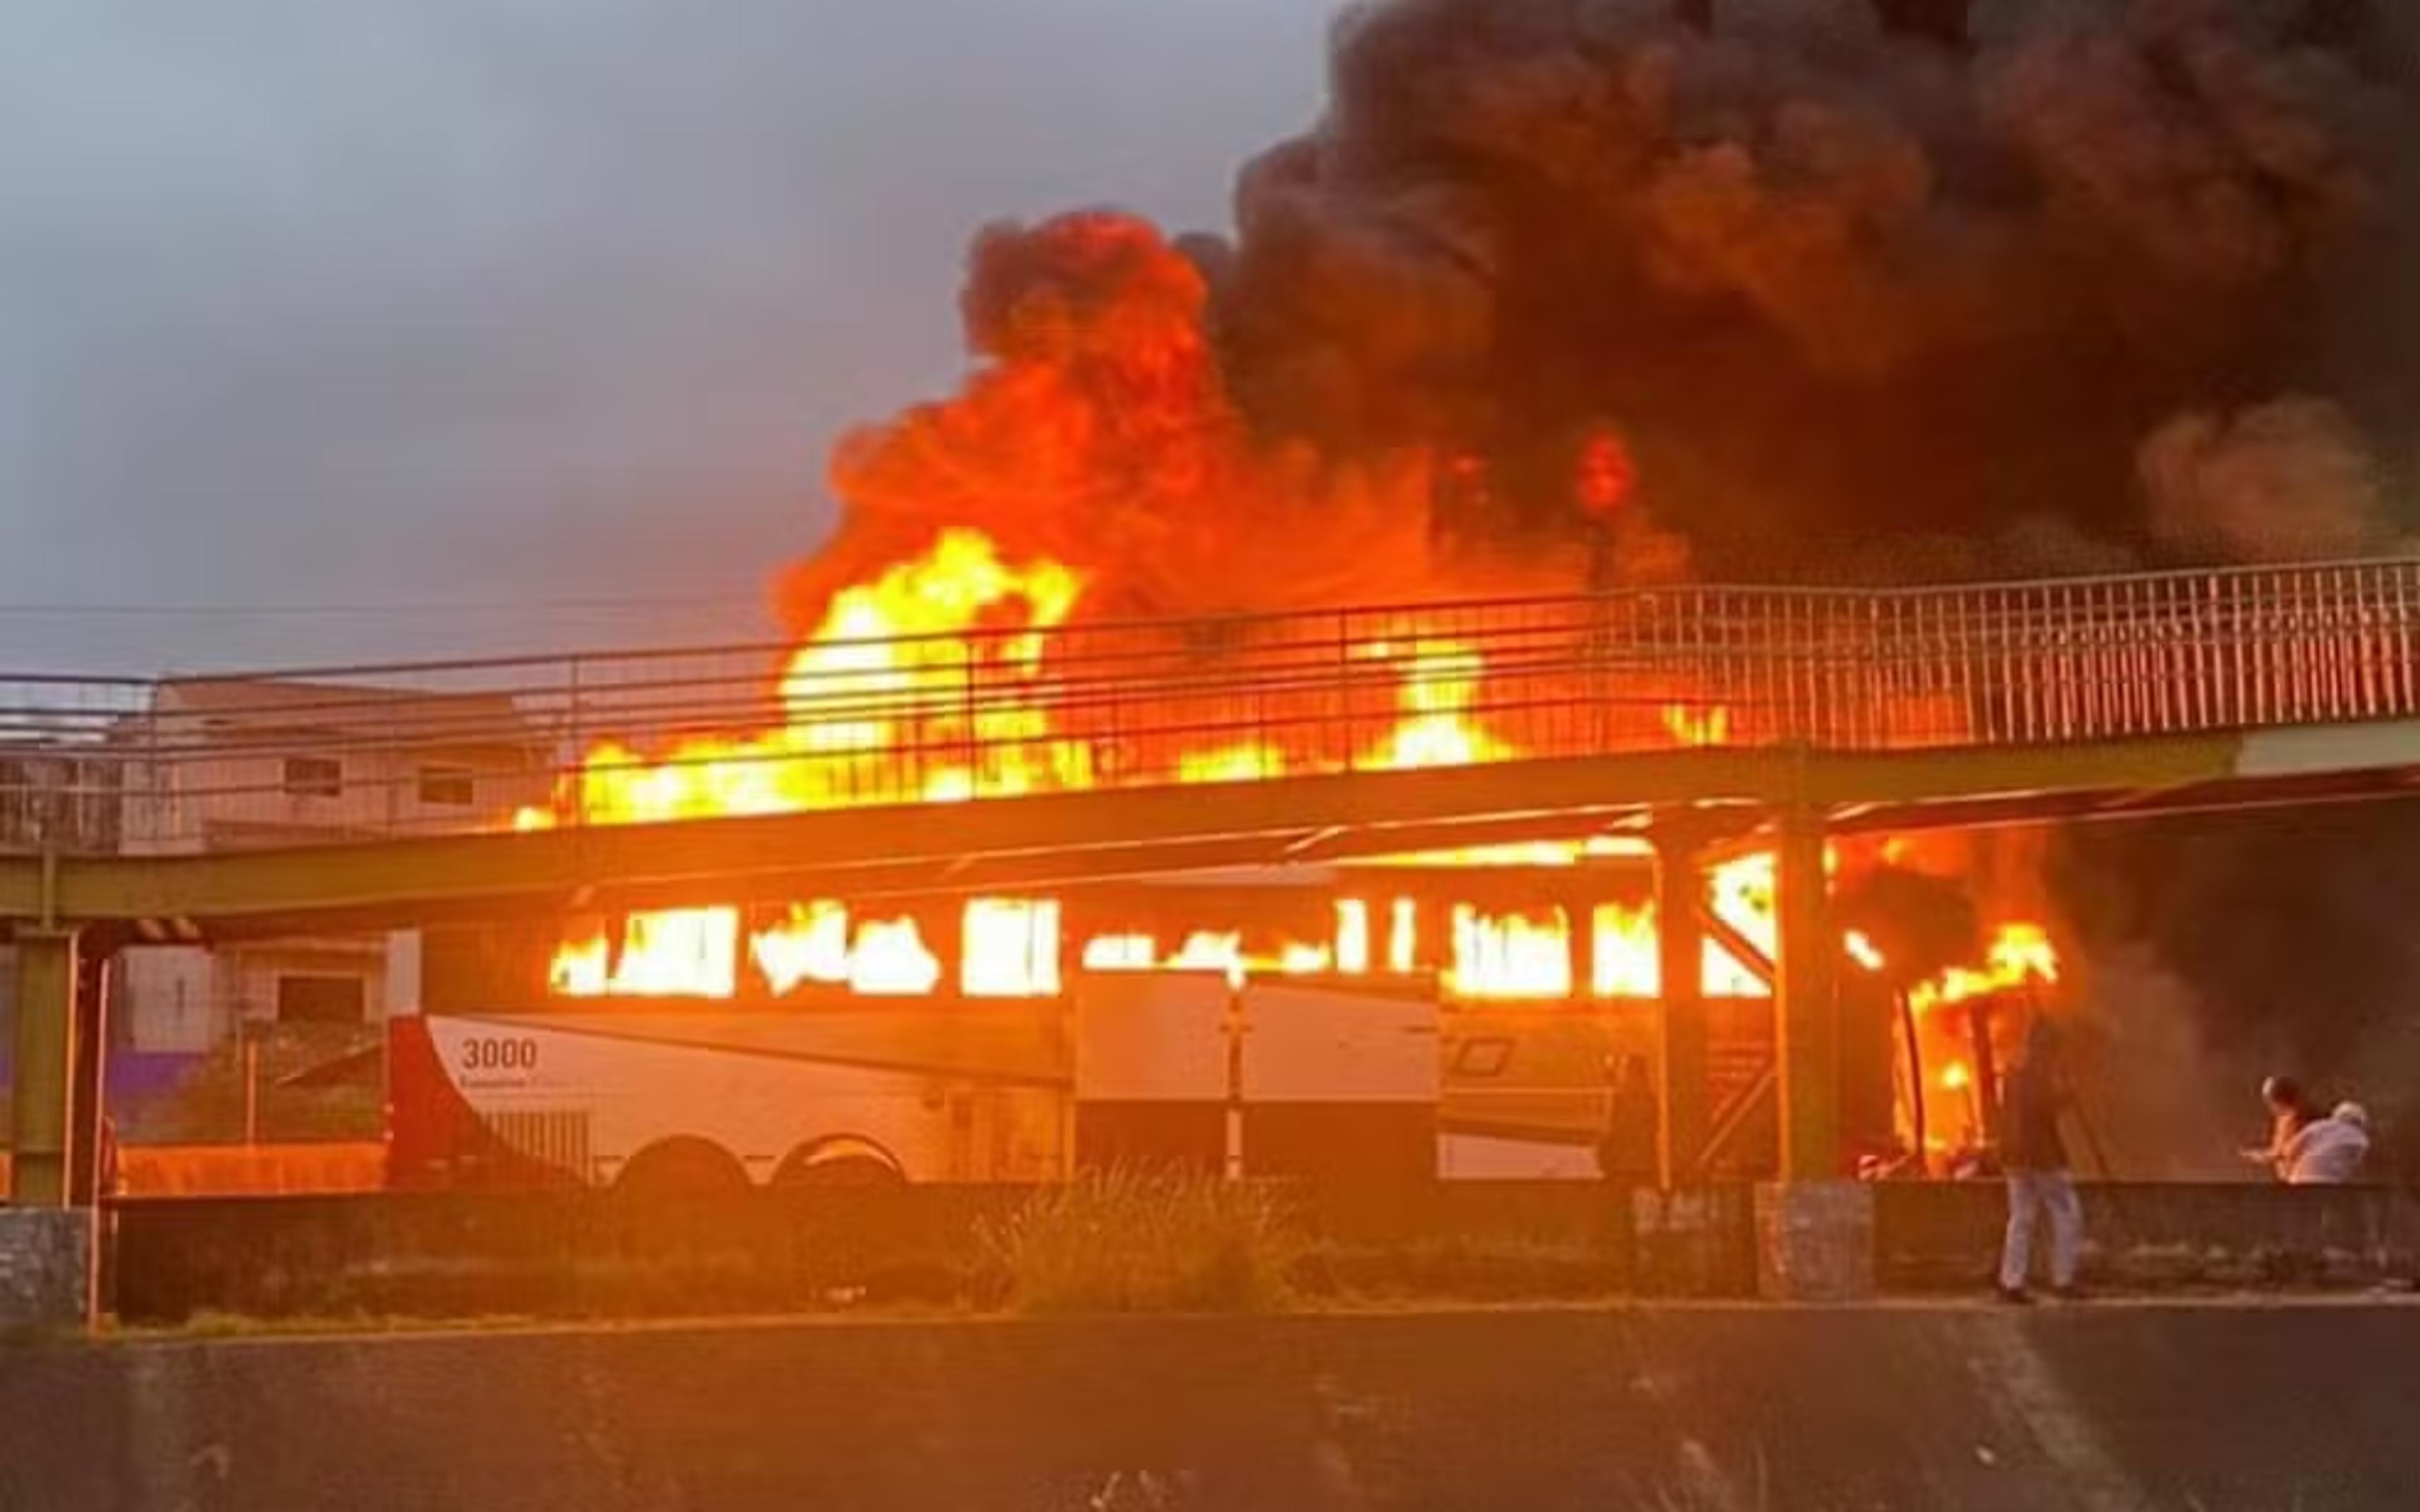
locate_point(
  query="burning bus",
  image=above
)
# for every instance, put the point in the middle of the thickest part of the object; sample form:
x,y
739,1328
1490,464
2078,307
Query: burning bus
x,y
1438,1018
1320,1022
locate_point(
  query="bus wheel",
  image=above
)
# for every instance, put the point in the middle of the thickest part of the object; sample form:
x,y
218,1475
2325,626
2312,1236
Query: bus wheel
x,y
686,1166
841,1162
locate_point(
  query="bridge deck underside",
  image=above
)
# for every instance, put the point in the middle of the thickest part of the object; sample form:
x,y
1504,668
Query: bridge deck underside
x,y
1061,839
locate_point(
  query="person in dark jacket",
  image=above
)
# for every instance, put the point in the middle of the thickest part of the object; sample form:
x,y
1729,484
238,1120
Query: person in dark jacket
x,y
1625,1151
2035,1158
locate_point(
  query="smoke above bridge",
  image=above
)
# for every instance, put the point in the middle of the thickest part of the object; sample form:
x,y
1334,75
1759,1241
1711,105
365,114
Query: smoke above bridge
x,y
1558,292
2092,284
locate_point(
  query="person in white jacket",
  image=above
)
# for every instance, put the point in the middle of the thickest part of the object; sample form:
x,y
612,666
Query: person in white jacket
x,y
2329,1151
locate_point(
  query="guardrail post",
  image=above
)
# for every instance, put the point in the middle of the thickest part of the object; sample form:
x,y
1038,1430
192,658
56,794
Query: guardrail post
x,y
1345,692
569,781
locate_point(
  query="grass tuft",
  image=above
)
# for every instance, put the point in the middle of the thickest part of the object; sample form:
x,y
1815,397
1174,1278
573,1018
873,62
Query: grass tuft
x,y
1131,1241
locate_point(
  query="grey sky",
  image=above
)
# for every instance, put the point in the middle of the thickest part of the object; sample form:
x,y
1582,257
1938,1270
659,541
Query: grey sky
x,y
523,301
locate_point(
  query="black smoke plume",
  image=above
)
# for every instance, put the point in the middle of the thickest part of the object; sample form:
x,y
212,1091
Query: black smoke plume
x,y
1861,304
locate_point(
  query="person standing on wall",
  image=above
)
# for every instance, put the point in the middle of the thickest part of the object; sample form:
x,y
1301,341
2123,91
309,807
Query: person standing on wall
x,y
2035,1158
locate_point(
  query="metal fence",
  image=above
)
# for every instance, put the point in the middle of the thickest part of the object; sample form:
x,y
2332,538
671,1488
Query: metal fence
x,y
350,752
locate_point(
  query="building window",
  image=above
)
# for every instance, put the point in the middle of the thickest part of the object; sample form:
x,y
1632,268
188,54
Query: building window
x,y
318,999
314,776
448,787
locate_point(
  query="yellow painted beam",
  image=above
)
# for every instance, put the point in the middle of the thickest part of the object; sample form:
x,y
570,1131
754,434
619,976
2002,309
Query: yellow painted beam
x,y
20,886
1062,837
1974,773
1115,829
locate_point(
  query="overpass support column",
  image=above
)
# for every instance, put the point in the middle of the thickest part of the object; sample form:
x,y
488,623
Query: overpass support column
x,y
41,1104
45,1245
1806,1029
1681,1090
1814,1228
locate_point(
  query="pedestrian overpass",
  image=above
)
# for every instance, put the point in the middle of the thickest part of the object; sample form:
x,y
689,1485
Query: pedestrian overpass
x,y
1007,757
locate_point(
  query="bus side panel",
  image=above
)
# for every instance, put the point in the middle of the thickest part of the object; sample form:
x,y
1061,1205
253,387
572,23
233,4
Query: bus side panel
x,y
1152,1069
1524,1088
1340,1080
578,1096
436,1139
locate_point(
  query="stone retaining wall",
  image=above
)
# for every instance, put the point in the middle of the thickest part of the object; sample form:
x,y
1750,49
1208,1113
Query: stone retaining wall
x,y
1945,1235
599,1253
45,1259
1898,1407
594,1253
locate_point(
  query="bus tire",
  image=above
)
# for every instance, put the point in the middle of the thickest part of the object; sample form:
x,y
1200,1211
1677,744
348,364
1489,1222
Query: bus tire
x,y
842,1160
682,1167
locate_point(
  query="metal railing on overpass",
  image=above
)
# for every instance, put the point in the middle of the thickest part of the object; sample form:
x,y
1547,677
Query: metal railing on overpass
x,y
183,765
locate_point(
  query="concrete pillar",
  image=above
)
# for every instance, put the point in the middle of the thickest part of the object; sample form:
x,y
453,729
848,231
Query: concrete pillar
x,y
1815,1241
45,1269
1807,1030
1681,1094
45,1064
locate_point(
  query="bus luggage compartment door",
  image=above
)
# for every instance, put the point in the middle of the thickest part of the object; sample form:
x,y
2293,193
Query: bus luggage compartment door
x,y
1340,1080
1152,1071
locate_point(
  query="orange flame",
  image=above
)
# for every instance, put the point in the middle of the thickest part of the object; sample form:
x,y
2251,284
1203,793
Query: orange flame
x,y
1688,726
810,944
1012,947
1204,951
1510,955
1403,937
888,667
1352,935
1439,684
663,954
1862,952
1626,963
2018,953
886,674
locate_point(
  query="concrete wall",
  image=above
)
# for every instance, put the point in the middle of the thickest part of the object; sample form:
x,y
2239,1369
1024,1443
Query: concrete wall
x,y
1674,1408
166,1000
592,1253
2160,1236
44,1261
587,1254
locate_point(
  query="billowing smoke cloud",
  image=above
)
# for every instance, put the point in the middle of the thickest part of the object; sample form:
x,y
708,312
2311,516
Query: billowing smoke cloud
x,y
2159,1100
2100,285
1821,276
1097,429
2280,481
